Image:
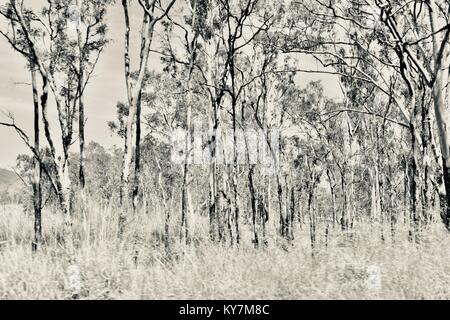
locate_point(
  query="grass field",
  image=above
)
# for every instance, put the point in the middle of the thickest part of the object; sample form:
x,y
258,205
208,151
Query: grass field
x,y
140,267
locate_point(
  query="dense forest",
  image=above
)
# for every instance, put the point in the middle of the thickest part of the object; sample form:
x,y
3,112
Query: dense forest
x,y
231,163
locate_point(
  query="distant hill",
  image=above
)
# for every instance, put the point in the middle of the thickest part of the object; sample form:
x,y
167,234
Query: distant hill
x,y
7,178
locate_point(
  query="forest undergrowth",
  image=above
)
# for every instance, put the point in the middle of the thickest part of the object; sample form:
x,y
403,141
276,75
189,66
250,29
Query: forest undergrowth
x,y
364,263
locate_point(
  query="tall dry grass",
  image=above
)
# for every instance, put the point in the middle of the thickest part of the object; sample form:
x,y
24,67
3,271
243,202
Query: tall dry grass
x,y
140,267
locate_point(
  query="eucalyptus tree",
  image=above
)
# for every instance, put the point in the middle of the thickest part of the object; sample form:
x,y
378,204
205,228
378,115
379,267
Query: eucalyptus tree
x,y
19,44
242,23
88,18
163,114
153,11
180,53
45,37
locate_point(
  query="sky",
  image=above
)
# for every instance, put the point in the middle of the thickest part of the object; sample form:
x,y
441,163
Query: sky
x,y
106,87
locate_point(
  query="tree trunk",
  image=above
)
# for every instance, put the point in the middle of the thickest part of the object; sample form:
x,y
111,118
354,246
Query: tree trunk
x,y
82,179
185,198
81,118
333,195
300,207
426,155
166,209
292,215
185,192
227,208
137,154
37,192
253,200
66,199
128,188
441,105
236,206
405,191
184,231
347,175
312,213
345,219
414,220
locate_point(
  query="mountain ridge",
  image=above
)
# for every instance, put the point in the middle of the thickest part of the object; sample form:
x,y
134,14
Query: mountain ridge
x,y
7,178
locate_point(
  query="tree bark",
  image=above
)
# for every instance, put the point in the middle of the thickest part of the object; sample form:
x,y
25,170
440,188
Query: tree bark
x,y
37,191
81,117
312,213
441,105
129,188
332,183
253,201
292,214
414,216
185,193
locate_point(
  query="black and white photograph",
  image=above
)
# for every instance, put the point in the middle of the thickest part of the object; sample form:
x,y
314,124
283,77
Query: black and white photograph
x,y
224,150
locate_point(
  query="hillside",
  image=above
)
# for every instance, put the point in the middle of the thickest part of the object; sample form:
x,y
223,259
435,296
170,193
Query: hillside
x,y
7,178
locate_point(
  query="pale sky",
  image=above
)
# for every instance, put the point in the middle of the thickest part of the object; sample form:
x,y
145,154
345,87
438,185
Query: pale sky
x,y
106,88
